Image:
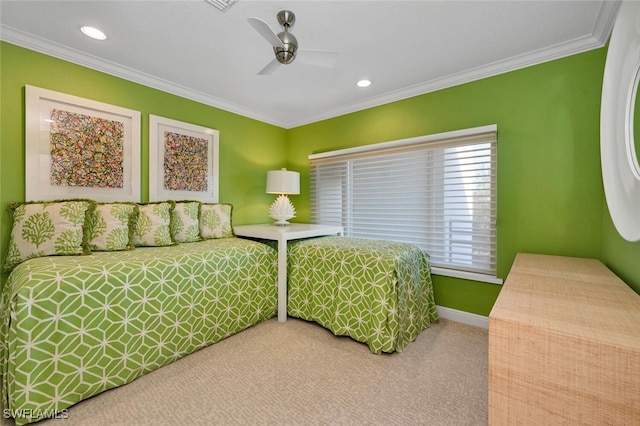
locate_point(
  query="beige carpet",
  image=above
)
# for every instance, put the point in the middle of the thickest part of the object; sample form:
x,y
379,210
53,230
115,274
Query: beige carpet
x,y
298,373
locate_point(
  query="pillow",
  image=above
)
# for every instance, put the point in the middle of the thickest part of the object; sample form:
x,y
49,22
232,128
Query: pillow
x,y
110,227
185,221
153,227
48,228
215,221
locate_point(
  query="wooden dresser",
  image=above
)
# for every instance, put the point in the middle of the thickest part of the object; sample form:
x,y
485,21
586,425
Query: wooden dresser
x,y
564,345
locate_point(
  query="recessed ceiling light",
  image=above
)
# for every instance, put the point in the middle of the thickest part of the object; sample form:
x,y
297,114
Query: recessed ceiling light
x,y
93,33
363,83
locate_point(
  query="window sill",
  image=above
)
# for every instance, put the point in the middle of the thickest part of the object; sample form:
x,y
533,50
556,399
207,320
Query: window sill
x,y
466,275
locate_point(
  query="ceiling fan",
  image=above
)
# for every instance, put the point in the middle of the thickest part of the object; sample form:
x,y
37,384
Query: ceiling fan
x,y
285,45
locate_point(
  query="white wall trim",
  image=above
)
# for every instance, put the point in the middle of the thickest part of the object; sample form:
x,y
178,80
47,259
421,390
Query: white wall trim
x,y
473,276
59,51
463,317
599,36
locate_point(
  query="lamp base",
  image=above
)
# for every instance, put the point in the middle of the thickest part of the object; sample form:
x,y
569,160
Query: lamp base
x,y
282,210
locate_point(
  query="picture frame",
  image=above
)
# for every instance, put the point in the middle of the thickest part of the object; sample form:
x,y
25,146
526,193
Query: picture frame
x,y
80,148
183,161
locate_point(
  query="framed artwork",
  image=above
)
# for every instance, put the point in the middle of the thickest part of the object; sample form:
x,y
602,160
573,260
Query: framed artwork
x,y
183,161
79,148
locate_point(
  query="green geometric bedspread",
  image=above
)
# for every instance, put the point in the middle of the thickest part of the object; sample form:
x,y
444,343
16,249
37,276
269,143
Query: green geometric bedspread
x,y
80,325
377,292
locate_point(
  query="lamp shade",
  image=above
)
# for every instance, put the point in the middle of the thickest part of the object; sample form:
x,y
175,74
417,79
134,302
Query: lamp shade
x,y
283,181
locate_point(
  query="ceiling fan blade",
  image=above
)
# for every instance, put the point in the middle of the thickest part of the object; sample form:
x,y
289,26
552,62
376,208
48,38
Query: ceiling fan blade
x,y
269,68
264,30
322,58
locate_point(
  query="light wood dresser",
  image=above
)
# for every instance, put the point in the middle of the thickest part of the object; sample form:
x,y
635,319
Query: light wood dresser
x,y
564,345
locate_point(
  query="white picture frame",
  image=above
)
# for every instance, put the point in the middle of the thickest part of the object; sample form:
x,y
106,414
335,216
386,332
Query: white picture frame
x,y
80,148
183,161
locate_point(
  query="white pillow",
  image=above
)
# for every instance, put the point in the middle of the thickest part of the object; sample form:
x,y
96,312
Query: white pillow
x,y
215,221
48,228
185,223
111,226
153,227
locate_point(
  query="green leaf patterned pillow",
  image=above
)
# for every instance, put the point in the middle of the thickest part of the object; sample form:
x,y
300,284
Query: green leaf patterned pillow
x,y
153,227
215,221
111,226
48,228
185,221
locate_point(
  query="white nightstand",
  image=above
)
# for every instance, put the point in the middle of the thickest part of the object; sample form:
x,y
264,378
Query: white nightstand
x,y
282,234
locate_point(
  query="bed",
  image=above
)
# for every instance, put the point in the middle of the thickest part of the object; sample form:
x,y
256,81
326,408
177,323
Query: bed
x,y
74,326
377,292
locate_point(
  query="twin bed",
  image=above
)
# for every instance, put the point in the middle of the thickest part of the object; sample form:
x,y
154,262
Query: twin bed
x,y
376,292
74,326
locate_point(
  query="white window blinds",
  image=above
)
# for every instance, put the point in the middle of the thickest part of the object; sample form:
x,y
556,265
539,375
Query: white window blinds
x,y
437,191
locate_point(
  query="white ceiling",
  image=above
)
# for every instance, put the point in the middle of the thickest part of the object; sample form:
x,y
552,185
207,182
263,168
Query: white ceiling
x,y
407,48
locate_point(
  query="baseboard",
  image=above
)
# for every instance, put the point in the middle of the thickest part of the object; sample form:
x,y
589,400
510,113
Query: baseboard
x,y
463,317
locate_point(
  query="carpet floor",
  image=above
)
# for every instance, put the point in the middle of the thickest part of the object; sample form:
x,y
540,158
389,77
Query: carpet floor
x,y
298,373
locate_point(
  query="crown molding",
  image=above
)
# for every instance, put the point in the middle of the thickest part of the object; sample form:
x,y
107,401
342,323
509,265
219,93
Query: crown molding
x,y
56,50
599,37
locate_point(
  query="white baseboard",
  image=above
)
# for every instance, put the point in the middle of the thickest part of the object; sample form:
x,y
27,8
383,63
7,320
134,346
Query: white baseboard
x,y
463,317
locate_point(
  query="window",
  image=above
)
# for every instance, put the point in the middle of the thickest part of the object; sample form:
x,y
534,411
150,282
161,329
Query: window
x,y
437,191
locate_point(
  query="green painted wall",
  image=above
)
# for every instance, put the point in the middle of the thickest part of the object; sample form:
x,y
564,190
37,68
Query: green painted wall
x,y
248,148
621,256
550,192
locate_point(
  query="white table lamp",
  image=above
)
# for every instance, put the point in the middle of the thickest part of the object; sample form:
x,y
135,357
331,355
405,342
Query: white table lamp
x,y
282,182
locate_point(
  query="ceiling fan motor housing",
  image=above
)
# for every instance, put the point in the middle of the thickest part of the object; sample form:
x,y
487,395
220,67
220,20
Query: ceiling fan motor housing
x,y
286,54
